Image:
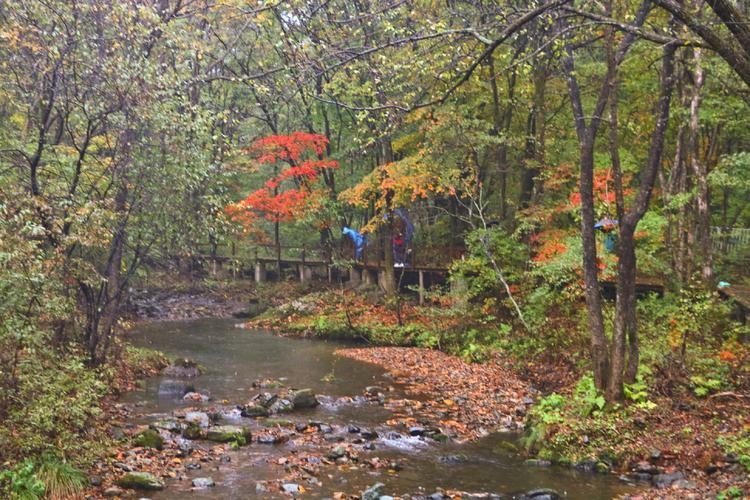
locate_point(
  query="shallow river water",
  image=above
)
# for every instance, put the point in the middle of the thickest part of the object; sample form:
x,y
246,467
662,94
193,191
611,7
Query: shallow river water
x,y
234,358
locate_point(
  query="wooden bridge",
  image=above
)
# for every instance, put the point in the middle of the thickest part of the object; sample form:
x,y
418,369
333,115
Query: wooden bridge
x,y
265,262
268,261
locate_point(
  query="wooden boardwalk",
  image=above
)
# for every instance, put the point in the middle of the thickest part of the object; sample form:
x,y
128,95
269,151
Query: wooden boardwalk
x,y
740,296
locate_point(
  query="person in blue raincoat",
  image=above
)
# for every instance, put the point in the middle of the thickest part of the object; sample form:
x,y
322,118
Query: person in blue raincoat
x,y
607,227
358,239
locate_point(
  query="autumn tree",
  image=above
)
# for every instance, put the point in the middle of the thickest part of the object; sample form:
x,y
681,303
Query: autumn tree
x,y
291,192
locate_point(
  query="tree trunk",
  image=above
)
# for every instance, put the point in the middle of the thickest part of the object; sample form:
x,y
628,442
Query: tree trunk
x,y
534,153
389,276
700,170
625,317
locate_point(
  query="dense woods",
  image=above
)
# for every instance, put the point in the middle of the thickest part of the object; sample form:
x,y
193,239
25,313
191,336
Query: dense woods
x,y
552,156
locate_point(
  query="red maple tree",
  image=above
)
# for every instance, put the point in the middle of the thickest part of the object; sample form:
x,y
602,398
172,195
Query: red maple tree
x,y
288,193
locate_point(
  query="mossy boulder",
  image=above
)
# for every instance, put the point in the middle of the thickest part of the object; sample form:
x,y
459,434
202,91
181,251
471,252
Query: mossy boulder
x,y
183,368
140,481
192,431
149,439
229,433
281,422
304,398
254,410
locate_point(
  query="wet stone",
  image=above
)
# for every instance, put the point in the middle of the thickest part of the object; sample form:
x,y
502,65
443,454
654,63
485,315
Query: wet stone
x,y
666,480
228,433
535,462
373,492
453,459
113,491
192,431
290,488
203,482
183,368
337,452
304,398
198,418
140,481
542,494
149,439
646,468
254,411
195,396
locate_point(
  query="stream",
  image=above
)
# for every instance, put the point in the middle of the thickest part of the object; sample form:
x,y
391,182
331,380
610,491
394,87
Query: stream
x,y
234,358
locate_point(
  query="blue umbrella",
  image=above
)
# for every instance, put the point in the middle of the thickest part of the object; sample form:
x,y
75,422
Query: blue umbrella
x,y
606,223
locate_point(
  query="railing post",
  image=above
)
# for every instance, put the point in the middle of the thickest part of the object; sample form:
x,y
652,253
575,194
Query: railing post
x,y
421,287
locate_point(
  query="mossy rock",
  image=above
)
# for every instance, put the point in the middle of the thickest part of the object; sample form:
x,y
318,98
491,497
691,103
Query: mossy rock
x,y
140,481
149,439
281,422
184,368
192,431
440,437
602,468
254,411
229,433
304,398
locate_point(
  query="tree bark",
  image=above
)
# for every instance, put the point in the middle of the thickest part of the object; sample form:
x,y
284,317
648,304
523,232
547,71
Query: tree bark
x,y
700,170
625,318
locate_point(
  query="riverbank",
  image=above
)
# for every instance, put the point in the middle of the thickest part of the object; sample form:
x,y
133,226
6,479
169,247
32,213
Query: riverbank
x,y
358,433
681,444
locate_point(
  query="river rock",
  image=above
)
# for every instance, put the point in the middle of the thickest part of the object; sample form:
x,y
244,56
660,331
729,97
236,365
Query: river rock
x,y
280,406
453,459
303,398
253,410
337,452
140,481
149,439
290,488
203,482
368,434
542,494
416,431
183,368
373,390
192,431
535,462
198,418
195,396
267,384
373,492
228,433
666,480
114,491
645,467
168,424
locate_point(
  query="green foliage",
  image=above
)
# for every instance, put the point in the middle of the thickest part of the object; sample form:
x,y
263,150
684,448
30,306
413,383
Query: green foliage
x,y
21,482
589,399
477,271
730,493
61,480
638,391
739,444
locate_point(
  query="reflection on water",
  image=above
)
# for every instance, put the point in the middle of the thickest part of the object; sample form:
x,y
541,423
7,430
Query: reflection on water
x,y
234,358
